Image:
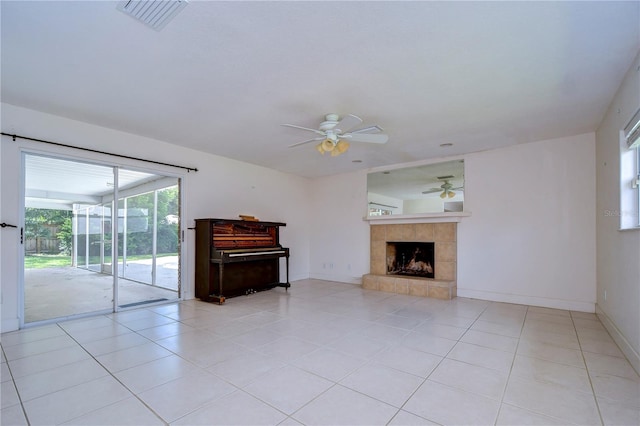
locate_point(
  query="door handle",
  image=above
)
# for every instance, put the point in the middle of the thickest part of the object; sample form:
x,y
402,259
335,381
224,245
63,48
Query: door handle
x,y
6,225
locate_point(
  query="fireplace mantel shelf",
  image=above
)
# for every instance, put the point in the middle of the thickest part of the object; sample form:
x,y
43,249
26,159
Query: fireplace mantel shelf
x,y
418,218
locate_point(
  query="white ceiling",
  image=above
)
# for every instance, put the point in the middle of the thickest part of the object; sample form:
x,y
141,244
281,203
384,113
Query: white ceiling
x,y
222,76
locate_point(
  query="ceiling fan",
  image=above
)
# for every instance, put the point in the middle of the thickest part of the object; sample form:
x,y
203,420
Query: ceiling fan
x,y
335,134
447,188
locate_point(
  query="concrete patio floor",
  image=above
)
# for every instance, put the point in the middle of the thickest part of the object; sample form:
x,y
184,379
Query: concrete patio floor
x,y
62,292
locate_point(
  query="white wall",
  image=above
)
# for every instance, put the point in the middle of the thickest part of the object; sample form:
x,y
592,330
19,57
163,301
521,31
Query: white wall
x,y
339,235
618,254
430,205
221,188
530,238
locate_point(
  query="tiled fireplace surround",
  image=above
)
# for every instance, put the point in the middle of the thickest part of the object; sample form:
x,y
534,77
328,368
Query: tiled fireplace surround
x,y
444,235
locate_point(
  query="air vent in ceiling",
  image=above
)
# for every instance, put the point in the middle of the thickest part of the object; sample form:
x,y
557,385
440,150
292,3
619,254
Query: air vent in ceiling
x,y
153,13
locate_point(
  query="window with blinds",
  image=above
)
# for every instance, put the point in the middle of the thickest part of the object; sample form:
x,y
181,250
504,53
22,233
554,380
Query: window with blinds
x,y
630,174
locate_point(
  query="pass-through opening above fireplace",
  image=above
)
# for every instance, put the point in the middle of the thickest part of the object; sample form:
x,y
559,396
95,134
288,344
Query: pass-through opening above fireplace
x,y
414,259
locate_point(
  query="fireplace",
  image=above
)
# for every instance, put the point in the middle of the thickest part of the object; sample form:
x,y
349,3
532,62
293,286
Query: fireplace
x,y
394,269
413,259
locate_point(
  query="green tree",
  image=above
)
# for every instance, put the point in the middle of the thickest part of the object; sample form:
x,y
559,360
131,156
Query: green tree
x,y
36,221
40,222
65,237
140,242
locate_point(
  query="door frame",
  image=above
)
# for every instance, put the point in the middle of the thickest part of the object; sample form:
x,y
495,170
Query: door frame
x,y
100,160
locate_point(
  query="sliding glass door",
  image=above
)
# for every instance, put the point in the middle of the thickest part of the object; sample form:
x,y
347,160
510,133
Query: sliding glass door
x,y
98,238
148,241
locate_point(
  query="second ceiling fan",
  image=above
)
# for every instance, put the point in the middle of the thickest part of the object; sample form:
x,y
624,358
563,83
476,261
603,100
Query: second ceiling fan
x,y
447,188
334,134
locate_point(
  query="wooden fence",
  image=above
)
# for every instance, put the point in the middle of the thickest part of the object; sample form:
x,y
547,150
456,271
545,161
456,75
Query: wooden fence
x,y
40,245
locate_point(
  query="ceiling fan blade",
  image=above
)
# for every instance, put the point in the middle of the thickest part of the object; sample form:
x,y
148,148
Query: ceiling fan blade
x,y
432,190
348,122
307,141
304,128
366,137
371,129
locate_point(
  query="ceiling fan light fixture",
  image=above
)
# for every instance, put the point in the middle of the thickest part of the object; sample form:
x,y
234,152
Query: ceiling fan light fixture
x,y
451,194
327,145
342,147
443,195
334,133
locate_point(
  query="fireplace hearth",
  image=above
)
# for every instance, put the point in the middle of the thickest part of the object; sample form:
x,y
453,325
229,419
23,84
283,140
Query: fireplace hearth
x,y
414,259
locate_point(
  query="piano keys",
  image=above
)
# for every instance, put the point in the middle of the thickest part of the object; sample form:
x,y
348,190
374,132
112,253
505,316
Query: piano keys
x,y
236,257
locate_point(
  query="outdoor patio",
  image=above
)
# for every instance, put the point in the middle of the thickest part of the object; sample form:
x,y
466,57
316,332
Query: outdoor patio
x,y
62,292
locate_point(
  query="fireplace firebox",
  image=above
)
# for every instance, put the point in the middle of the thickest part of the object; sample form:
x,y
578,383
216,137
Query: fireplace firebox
x,y
414,259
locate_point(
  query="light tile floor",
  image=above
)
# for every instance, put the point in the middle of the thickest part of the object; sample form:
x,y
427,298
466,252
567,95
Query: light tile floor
x,y
322,353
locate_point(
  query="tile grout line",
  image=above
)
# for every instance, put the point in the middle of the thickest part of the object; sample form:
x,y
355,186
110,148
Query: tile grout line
x,y
368,361
438,364
513,361
13,381
593,390
113,376
535,380
237,388
327,346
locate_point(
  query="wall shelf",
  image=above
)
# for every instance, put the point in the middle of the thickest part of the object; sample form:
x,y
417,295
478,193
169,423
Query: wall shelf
x,y
417,218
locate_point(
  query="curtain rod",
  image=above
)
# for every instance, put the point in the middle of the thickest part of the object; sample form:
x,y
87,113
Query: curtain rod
x,y
188,169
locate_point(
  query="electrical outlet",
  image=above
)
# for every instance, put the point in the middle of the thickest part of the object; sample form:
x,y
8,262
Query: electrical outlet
x,y
605,295
331,266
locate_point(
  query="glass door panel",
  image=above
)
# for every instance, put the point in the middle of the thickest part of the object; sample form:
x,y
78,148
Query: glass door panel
x,y
107,237
137,244
62,272
80,238
167,262
148,243
95,237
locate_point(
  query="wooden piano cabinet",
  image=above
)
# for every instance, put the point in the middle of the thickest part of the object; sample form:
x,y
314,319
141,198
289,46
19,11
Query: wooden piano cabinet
x,y
235,257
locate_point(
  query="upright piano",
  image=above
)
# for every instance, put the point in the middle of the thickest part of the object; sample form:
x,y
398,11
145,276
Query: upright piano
x,y
237,257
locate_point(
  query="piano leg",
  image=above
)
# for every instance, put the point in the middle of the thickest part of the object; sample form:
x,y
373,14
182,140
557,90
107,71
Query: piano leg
x,y
219,298
286,285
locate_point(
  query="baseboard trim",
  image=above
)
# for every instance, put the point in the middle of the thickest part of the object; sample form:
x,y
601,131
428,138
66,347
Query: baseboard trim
x,y
632,355
12,324
293,278
337,278
545,302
